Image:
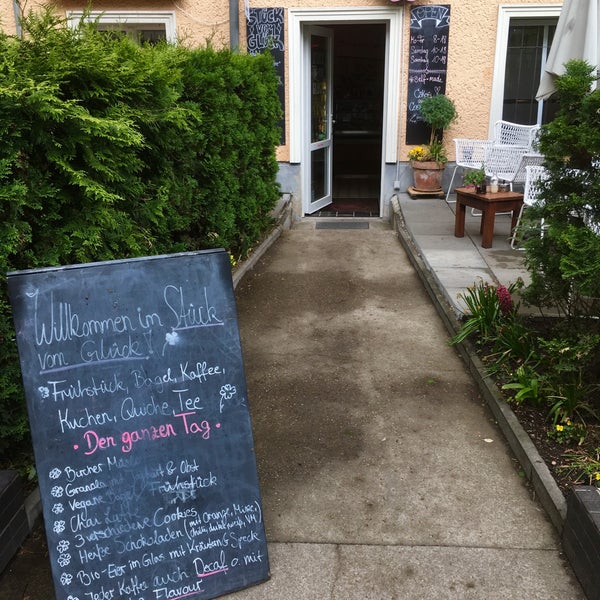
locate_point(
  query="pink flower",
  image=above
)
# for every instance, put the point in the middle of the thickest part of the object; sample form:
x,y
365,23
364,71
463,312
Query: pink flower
x,y
506,303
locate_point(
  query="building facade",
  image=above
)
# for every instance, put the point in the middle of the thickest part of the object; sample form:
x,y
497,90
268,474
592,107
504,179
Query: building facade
x,y
353,72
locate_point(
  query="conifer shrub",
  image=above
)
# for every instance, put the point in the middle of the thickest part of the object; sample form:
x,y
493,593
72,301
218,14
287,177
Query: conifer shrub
x,y
565,260
114,150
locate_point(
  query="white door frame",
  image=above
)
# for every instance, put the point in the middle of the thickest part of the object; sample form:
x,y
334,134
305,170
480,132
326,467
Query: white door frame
x,y
392,17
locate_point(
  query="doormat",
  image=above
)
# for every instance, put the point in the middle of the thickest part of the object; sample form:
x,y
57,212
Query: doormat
x,y
341,225
354,204
361,214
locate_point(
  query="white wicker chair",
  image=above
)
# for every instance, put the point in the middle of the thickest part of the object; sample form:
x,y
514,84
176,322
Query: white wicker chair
x,y
589,221
527,160
470,154
586,212
506,157
511,141
514,148
509,163
504,161
514,134
535,175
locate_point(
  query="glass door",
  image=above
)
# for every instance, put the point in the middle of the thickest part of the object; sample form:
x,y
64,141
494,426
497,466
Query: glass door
x,y
318,157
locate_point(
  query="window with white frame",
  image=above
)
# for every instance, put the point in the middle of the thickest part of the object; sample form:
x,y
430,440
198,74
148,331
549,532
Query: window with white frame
x,y
150,27
524,37
527,49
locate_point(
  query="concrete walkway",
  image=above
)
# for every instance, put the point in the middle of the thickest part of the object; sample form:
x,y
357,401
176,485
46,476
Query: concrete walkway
x,y
383,474
447,266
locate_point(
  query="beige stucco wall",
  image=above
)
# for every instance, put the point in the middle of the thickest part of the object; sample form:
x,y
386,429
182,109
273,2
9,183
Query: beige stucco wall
x,y
471,55
7,19
198,21
471,51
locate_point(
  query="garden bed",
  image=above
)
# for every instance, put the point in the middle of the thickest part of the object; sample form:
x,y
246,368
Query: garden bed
x,y
556,456
14,526
570,461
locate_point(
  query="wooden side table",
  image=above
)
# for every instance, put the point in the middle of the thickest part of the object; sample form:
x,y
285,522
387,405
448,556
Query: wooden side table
x,y
489,205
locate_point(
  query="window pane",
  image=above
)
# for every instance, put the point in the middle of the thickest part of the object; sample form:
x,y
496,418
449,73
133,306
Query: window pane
x,y
515,36
318,171
319,77
142,32
528,45
152,36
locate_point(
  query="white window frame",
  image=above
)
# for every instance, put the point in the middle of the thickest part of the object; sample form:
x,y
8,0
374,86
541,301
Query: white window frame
x,y
129,17
392,18
506,12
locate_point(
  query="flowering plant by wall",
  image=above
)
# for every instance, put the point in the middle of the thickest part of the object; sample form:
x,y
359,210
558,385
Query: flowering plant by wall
x,y
432,152
418,152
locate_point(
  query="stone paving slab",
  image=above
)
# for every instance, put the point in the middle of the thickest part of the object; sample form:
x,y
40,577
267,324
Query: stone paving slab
x,y
458,263
336,572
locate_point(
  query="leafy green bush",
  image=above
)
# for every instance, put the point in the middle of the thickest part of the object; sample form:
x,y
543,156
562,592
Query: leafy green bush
x,y
571,362
513,343
527,386
554,368
113,150
565,261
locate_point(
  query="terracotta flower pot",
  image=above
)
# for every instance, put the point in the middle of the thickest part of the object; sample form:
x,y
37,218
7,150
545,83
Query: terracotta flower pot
x,y
428,175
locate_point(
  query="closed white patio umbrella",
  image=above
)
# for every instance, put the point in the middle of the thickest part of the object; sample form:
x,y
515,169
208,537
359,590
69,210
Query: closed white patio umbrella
x,y
576,37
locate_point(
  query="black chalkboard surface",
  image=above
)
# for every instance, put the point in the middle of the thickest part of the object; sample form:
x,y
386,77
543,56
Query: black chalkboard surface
x,y
427,61
136,395
265,31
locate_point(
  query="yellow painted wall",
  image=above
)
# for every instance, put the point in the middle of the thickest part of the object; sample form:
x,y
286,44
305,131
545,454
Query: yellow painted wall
x,y
197,20
471,54
7,19
471,51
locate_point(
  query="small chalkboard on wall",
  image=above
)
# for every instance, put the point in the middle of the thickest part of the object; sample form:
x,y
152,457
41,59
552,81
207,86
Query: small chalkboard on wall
x,y
137,401
265,32
427,62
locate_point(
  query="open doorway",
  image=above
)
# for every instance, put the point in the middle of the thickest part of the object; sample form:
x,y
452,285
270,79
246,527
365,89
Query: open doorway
x,y
358,90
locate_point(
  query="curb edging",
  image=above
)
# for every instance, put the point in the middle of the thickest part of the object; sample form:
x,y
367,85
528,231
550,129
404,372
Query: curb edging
x,y
284,220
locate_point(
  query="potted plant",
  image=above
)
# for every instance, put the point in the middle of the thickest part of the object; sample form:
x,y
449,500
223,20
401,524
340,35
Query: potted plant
x,y
428,162
476,178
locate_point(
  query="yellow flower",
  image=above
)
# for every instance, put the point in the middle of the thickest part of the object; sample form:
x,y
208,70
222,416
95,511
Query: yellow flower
x,y
417,153
597,476
559,428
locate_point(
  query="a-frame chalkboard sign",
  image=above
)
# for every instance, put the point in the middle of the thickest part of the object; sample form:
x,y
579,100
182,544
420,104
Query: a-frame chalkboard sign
x,y
137,401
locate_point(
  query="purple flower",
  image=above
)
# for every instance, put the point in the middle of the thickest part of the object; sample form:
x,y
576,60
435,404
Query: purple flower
x,y
505,300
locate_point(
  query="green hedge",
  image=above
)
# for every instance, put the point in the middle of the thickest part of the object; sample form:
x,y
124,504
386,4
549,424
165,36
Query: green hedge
x,y
113,150
565,261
